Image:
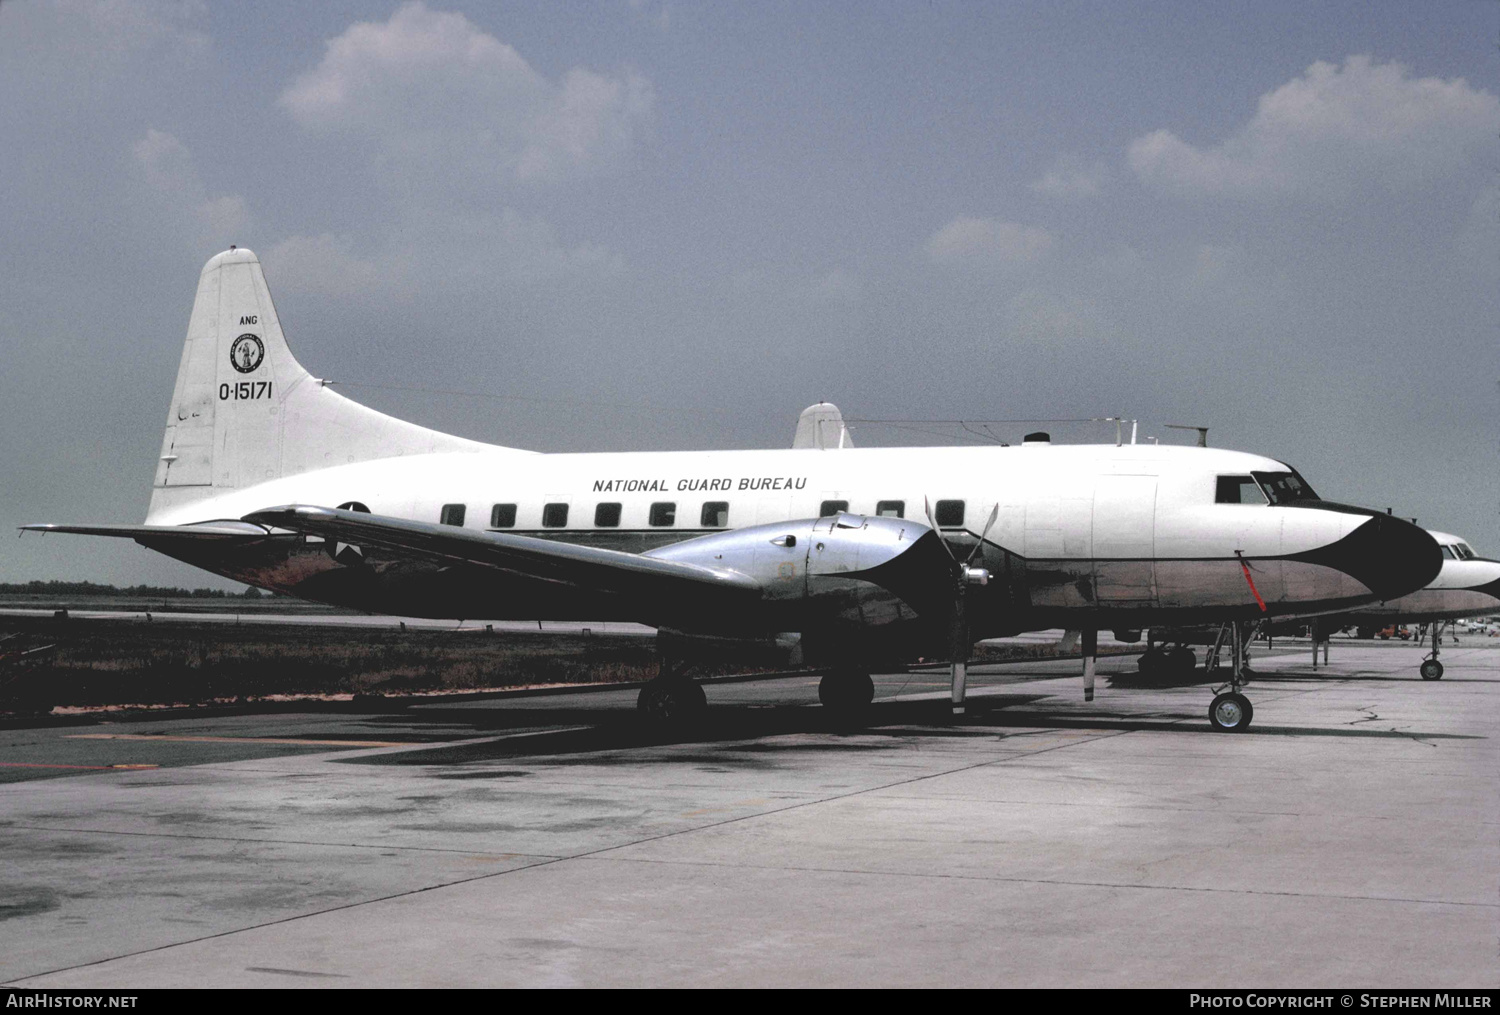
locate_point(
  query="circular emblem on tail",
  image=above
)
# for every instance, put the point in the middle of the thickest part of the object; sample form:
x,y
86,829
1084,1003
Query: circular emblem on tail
x,y
246,353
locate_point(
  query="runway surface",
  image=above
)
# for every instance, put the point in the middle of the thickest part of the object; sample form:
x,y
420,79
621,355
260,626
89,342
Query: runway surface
x,y
1351,837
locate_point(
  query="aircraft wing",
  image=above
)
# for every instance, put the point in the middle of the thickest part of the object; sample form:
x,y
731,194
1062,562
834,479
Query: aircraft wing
x,y
586,567
208,531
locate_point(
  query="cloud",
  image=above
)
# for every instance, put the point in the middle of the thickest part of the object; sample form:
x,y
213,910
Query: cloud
x,y
169,168
662,19
1332,129
109,30
1478,241
987,241
431,91
1051,317
326,265
838,285
79,58
1070,179
445,256
117,26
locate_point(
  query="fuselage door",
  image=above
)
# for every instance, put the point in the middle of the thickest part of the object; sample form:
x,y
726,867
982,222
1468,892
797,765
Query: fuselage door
x,y
1125,539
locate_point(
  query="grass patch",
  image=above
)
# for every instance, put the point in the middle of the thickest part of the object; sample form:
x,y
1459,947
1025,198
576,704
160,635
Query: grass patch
x,y
108,662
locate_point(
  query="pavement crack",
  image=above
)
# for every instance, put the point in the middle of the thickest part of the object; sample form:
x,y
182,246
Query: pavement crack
x,y
1061,882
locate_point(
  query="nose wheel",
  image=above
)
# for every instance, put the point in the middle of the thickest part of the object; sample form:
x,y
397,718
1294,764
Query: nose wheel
x,y
1432,669
1231,712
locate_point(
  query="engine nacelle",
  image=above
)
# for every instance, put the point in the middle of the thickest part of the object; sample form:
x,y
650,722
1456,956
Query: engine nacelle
x,y
828,571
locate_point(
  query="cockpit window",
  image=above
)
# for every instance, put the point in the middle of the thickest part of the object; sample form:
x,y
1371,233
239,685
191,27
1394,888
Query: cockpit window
x,y
1238,490
1464,551
1284,487
1450,554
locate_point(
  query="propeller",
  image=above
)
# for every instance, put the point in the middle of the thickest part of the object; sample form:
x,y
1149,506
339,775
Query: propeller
x,y
964,575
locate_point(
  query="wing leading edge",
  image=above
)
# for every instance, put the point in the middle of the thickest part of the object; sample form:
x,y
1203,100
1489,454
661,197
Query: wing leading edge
x,y
585,567
225,531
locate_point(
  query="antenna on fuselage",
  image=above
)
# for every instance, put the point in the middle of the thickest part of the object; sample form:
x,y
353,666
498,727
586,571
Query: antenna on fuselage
x,y
1202,431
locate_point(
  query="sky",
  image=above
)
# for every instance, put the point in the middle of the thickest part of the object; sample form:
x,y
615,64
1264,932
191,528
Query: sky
x,y
636,224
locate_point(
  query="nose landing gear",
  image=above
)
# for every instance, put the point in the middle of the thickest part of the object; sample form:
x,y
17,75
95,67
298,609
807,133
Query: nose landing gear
x,y
1432,669
1231,711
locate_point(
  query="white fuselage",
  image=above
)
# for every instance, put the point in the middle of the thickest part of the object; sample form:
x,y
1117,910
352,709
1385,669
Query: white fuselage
x,y
1129,531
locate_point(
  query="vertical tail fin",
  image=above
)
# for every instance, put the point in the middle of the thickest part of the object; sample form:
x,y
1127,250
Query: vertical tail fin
x,y
822,426
245,411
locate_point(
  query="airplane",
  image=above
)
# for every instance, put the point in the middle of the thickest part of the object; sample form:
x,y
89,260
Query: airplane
x,y
1467,586
269,477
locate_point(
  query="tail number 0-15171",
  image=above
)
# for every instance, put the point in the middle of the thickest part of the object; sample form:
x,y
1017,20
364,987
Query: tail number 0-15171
x,y
244,391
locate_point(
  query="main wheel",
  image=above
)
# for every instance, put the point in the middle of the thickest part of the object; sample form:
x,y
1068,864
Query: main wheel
x,y
1432,669
1184,661
846,690
1231,712
672,701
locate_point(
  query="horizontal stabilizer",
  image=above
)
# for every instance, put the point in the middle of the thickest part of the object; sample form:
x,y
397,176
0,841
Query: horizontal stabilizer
x,y
226,530
544,559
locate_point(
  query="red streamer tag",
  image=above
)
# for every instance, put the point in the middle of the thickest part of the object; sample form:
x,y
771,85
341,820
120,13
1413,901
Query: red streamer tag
x,y
1251,581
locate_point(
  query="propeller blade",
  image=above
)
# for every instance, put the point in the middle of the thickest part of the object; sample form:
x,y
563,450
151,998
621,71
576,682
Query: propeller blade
x,y
958,646
932,523
983,535
960,672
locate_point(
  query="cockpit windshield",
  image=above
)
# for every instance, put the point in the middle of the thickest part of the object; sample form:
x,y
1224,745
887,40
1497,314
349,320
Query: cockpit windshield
x,y
1463,551
1284,487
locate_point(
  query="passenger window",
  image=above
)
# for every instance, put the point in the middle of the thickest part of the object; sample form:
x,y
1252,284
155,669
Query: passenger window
x,y
715,514
830,508
453,514
503,516
607,516
663,513
950,514
1238,490
891,509
554,516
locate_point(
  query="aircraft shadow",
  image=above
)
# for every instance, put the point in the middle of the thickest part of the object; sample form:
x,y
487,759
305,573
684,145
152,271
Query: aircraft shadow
x,y
744,731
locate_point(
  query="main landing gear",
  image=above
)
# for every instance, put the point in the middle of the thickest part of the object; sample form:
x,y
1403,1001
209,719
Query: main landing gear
x,y
1178,663
1231,711
672,698
1432,669
847,693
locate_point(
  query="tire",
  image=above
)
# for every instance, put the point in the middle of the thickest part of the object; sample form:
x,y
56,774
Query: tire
x,y
1231,713
1184,661
1432,669
846,690
672,702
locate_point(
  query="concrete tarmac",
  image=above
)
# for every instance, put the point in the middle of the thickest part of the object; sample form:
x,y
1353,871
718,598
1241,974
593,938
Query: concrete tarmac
x,y
1350,838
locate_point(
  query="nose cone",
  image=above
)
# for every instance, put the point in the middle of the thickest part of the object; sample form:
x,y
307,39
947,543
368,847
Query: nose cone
x,y
1387,555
